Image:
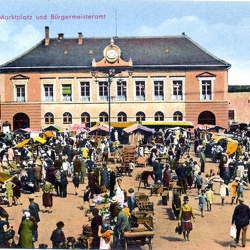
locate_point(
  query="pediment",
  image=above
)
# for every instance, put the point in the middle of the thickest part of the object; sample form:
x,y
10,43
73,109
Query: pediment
x,y
19,77
206,74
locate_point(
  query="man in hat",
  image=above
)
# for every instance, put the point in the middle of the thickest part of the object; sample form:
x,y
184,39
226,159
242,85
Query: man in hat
x,y
37,169
241,218
34,211
57,237
113,209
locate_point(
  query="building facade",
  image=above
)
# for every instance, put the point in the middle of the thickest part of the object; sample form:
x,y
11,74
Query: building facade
x,y
239,104
83,80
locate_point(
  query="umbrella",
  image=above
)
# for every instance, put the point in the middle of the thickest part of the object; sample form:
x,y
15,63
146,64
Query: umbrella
x,y
140,127
232,145
54,128
100,129
39,139
5,177
22,144
79,128
30,142
47,134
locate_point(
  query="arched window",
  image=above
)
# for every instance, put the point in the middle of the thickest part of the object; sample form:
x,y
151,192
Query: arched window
x,y
49,118
140,116
103,117
159,116
67,118
85,119
122,117
177,116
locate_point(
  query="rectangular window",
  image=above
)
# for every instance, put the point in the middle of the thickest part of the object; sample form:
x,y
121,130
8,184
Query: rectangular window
x,y
103,91
206,90
49,93
85,91
121,91
177,90
140,90
20,93
231,114
158,90
66,92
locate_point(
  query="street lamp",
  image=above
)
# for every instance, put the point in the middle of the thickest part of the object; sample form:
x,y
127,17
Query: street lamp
x,y
110,73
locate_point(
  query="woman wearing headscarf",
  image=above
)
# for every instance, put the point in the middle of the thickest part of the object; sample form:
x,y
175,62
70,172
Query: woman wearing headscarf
x,y
25,231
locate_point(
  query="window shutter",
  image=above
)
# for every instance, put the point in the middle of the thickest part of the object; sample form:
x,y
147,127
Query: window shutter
x,y
66,90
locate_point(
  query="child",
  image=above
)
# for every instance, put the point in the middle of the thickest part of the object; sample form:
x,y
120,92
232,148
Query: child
x,y
210,198
85,197
76,182
223,191
199,182
202,201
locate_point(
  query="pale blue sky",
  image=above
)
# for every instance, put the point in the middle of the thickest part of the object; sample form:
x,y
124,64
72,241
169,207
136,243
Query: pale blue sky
x,y
221,27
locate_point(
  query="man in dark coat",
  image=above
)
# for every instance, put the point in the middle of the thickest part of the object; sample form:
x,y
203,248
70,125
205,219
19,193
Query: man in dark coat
x,y
241,218
38,176
64,183
57,237
182,174
34,211
157,169
77,165
105,180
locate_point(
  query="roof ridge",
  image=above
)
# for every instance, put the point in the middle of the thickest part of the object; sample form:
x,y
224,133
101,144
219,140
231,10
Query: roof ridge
x,y
120,37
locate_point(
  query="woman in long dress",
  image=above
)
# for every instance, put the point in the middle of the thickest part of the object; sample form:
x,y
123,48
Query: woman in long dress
x,y
119,193
186,213
47,197
25,231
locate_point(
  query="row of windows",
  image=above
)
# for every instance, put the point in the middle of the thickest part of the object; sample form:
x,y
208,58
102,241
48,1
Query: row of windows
x,y
103,117
121,91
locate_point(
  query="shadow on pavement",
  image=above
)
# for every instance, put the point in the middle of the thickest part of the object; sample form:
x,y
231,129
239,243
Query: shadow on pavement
x,y
172,238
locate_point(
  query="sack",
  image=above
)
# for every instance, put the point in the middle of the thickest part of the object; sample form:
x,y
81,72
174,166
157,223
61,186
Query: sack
x,y
233,232
178,229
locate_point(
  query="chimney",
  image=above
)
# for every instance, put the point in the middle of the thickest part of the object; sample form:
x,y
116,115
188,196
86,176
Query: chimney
x,y
60,36
80,38
46,35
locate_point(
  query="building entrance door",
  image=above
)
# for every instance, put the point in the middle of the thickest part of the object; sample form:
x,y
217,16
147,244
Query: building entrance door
x,y
206,117
20,120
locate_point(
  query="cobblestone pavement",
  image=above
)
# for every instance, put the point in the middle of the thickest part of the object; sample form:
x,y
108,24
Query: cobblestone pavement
x,y
209,232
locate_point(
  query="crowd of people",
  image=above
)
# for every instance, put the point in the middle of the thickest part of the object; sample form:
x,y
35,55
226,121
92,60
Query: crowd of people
x,y
48,167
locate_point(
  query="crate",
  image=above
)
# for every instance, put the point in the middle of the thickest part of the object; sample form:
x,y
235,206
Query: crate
x,y
145,206
143,218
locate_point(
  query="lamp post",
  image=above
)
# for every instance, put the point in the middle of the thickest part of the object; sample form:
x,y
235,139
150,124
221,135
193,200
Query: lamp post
x,y
110,73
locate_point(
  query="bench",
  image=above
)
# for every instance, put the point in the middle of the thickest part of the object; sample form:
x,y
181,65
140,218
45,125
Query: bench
x,y
141,238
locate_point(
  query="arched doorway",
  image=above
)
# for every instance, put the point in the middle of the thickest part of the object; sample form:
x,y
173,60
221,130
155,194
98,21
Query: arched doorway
x,y
20,120
206,117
